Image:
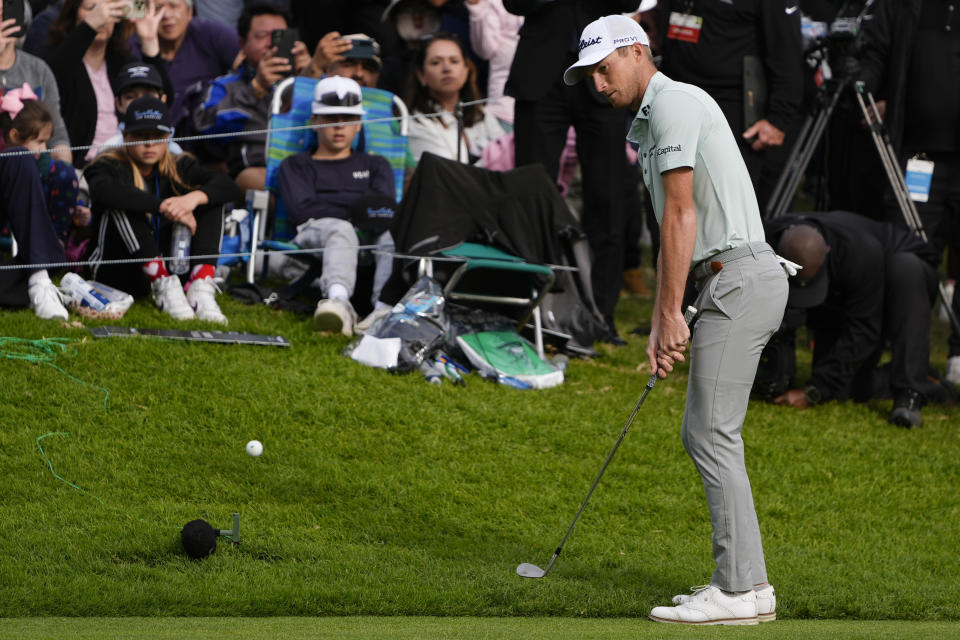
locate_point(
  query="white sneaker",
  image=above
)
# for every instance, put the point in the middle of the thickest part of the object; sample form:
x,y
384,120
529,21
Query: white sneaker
x,y
710,605
46,300
953,370
372,318
335,315
202,298
169,296
766,602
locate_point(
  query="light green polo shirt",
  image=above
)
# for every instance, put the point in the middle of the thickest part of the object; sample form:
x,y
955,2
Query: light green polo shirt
x,y
679,125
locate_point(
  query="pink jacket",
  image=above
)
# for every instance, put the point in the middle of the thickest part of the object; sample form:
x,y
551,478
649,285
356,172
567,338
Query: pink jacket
x,y
494,33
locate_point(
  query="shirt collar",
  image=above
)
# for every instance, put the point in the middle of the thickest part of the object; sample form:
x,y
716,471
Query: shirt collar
x,y
656,84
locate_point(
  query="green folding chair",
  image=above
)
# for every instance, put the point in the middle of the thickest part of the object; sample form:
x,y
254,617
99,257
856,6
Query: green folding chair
x,y
494,277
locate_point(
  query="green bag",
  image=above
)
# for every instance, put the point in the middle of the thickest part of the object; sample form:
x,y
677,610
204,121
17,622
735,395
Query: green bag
x,y
506,354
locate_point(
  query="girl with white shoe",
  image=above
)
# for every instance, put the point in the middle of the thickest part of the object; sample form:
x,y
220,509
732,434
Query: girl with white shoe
x,y
137,193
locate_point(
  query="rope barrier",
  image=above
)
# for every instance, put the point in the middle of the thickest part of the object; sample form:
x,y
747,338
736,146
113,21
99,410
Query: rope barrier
x,y
243,254
235,134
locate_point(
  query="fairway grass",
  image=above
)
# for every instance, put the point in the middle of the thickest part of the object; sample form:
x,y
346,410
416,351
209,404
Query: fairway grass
x,y
382,495
430,628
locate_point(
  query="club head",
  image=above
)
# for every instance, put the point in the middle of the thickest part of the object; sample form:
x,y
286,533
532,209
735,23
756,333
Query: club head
x,y
527,570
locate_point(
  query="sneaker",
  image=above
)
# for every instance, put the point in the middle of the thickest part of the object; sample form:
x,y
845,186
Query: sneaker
x,y
201,295
906,409
766,602
169,296
953,370
47,301
709,605
335,315
372,318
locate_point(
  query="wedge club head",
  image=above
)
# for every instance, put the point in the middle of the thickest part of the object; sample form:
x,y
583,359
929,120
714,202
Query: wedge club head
x,y
527,570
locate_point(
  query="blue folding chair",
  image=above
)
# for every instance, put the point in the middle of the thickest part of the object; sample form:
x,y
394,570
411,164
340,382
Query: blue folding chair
x,y
382,134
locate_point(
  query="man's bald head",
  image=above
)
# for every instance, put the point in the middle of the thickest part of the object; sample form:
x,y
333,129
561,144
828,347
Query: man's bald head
x,y
805,245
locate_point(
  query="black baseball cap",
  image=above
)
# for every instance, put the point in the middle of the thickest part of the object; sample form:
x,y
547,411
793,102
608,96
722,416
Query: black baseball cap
x,y
137,73
147,113
806,294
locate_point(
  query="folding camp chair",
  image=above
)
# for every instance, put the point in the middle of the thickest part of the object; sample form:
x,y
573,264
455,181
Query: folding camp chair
x,y
491,276
381,134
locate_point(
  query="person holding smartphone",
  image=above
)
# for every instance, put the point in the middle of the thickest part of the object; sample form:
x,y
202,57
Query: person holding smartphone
x,y
240,100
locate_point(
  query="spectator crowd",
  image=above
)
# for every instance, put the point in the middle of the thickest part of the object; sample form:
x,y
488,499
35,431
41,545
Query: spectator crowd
x,y
121,128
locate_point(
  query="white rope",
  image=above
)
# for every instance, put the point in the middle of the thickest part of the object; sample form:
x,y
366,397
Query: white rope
x,y
234,134
241,254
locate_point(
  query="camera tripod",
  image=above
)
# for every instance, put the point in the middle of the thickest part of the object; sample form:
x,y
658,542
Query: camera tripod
x,y
809,138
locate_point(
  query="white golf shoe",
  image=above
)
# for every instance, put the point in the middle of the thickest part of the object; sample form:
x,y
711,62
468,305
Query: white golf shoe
x,y
168,294
766,602
709,605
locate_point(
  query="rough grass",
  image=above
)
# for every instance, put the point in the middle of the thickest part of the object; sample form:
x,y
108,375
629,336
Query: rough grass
x,y
381,495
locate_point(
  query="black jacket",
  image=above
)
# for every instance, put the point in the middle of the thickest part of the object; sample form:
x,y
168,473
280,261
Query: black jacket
x,y
859,248
549,38
732,30
888,41
78,102
112,187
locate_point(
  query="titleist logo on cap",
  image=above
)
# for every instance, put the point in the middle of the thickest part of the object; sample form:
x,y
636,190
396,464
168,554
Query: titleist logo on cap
x,y
590,42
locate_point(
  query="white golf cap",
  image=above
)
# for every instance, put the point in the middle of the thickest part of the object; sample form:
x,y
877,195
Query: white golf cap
x,y
602,37
336,95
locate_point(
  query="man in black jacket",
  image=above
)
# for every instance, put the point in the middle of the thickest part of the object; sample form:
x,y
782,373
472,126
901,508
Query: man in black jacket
x,y
863,283
546,108
716,44
911,63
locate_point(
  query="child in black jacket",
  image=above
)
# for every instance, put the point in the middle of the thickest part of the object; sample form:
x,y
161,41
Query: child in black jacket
x,y
138,193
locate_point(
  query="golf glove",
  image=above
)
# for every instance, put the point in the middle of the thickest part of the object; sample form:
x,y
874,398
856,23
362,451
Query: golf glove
x,y
790,267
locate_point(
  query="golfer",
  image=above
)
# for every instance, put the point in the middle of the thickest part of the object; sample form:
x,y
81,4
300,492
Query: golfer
x,y
710,230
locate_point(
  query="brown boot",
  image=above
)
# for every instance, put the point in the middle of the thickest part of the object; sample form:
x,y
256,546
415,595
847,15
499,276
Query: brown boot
x,y
634,284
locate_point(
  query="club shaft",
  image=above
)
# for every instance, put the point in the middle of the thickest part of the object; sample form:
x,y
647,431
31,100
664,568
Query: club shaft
x,y
583,505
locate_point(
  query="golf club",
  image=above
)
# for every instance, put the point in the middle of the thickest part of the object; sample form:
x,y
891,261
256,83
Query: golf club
x,y
527,570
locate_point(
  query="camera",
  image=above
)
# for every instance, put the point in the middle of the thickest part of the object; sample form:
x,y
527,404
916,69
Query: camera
x,y
362,48
136,9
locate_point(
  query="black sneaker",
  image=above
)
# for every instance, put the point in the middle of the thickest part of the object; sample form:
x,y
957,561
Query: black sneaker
x,y
906,409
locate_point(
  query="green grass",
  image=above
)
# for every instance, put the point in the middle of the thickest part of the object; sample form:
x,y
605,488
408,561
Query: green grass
x,y
430,628
380,495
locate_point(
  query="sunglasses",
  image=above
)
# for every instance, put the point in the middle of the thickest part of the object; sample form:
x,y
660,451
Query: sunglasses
x,y
331,99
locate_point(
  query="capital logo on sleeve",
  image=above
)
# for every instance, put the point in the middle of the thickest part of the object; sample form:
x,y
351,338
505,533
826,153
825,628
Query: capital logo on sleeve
x,y
669,148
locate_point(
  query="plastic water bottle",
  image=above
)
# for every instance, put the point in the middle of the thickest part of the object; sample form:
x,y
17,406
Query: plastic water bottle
x,y
77,288
179,261
431,372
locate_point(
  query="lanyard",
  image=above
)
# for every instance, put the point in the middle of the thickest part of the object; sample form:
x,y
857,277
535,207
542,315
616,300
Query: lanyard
x,y
156,216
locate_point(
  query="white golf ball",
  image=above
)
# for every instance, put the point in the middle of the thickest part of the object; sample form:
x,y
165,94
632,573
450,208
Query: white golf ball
x,y
254,448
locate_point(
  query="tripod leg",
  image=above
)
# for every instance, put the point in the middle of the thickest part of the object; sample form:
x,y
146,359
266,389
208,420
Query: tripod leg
x,y
897,182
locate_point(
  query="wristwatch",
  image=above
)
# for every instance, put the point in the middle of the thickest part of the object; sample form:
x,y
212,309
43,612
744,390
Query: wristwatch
x,y
813,394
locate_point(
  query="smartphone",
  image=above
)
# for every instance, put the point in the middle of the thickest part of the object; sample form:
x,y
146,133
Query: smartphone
x,y
136,8
14,9
283,40
362,48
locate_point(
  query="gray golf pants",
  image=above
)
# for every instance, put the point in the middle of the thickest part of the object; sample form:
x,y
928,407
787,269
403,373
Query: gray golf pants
x,y
338,239
742,306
